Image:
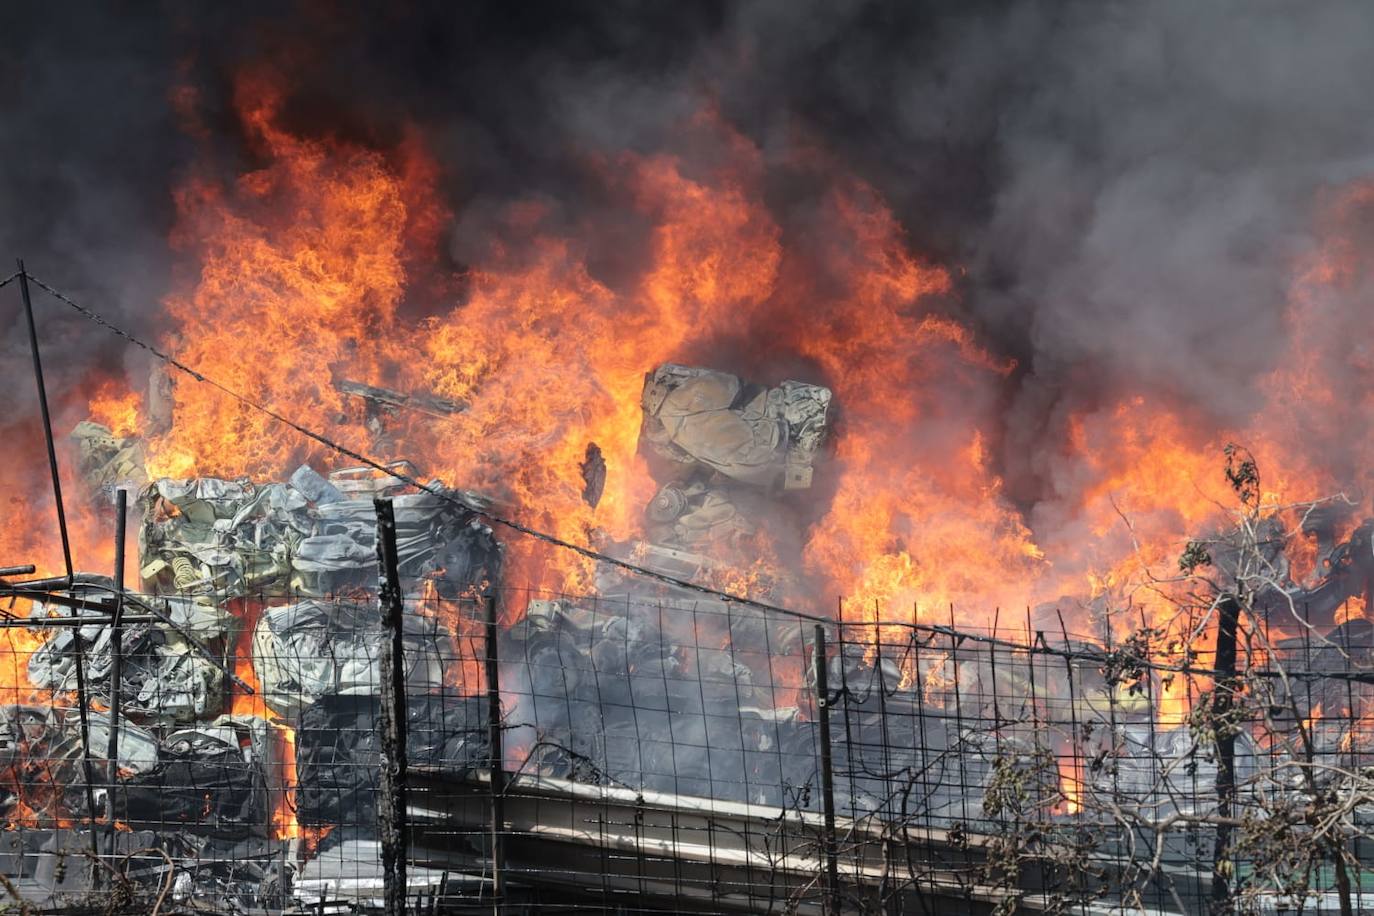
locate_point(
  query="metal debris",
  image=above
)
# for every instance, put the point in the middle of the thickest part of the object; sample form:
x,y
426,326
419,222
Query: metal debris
x,y
382,399
109,462
304,651
162,679
593,470
767,437
313,536
338,750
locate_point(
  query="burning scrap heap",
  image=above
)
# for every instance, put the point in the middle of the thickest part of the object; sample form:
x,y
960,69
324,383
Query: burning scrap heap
x,y
659,686
650,683
275,583
723,452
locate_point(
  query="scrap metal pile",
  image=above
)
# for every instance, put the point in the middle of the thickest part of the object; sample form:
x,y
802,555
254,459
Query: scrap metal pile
x,y
661,687
729,457
648,684
275,583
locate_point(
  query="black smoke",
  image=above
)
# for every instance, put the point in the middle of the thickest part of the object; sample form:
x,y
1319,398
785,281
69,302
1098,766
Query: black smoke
x,y
1126,184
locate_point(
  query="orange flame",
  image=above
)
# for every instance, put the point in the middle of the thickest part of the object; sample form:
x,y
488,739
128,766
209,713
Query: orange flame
x,y
306,269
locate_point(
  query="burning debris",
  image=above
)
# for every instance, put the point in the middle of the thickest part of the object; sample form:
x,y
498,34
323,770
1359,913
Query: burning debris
x,y
109,462
199,760
381,406
725,455
600,349
313,649
648,684
224,539
701,420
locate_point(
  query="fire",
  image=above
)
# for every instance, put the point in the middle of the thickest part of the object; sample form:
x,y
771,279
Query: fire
x,y
118,409
21,815
242,703
304,261
1360,735
1070,783
465,619
909,673
284,817
1353,609
16,646
319,264
919,520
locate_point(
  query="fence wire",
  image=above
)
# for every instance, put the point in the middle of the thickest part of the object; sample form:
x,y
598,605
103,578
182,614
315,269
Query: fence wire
x,y
662,756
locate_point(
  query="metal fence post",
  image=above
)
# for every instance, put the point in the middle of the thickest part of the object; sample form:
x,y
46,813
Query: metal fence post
x,y
832,861
116,667
1224,687
391,807
496,769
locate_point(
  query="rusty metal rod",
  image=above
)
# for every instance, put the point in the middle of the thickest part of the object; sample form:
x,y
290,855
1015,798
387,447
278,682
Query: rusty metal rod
x,y
49,583
76,604
392,801
41,623
116,667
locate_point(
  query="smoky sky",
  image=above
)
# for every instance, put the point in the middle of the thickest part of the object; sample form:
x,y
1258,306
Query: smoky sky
x,y
1125,184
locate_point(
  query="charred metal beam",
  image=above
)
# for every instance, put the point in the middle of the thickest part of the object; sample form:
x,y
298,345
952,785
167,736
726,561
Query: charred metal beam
x,y
424,403
57,598
55,623
1227,684
698,855
50,583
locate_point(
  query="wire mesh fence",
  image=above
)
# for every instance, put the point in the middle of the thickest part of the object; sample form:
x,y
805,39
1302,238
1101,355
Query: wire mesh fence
x,y
655,755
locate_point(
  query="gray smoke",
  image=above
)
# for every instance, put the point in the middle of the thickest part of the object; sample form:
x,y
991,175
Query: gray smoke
x,y
1127,183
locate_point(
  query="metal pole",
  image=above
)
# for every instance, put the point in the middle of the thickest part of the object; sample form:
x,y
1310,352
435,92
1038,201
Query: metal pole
x,y
496,768
57,623
392,803
81,694
832,860
47,422
1225,686
116,667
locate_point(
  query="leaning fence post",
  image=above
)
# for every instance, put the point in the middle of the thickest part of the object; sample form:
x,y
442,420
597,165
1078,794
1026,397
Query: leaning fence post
x,y
391,807
116,667
78,653
832,861
496,768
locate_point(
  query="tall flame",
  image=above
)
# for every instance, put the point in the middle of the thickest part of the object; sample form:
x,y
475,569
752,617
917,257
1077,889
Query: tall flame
x,y
308,268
